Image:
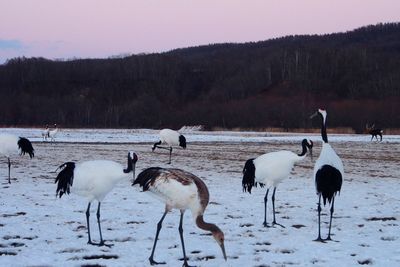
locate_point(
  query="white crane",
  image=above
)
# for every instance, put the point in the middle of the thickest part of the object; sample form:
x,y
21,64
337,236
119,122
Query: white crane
x,y
52,133
180,190
270,169
328,174
93,179
11,145
45,133
170,138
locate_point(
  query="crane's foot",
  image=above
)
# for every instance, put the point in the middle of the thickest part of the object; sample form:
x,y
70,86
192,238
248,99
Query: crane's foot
x,y
330,239
266,225
153,262
185,264
319,239
101,244
275,223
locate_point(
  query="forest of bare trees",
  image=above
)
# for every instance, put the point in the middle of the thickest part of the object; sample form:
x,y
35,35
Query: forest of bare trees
x,y
274,83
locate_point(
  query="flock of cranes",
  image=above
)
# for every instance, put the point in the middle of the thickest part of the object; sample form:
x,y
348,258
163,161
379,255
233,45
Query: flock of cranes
x,y
182,190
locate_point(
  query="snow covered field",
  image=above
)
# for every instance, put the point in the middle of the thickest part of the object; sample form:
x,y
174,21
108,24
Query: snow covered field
x,y
37,229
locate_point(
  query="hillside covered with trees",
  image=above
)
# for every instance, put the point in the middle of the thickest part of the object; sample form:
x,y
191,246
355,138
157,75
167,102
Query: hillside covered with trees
x,y
273,83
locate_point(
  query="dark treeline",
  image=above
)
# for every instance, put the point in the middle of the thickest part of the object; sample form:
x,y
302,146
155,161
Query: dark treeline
x,y
274,83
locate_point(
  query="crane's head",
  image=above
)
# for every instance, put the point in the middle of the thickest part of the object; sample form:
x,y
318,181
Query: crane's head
x,y
132,155
219,237
182,141
321,112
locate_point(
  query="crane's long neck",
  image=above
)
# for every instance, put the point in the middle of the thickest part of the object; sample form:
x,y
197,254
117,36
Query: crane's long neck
x,y
204,225
323,130
302,155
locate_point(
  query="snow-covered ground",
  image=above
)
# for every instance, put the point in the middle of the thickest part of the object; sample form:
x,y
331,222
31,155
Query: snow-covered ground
x,y
37,229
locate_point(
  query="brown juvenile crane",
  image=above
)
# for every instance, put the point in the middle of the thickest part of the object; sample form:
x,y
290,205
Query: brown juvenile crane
x,y
180,190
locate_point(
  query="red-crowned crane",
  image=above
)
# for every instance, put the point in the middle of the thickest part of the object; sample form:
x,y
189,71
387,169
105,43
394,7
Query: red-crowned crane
x,y
328,174
93,179
52,133
11,145
180,190
270,169
45,133
171,138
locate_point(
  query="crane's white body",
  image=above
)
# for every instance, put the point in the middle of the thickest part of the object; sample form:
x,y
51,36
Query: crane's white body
x,y
170,137
272,168
52,134
328,156
8,145
96,178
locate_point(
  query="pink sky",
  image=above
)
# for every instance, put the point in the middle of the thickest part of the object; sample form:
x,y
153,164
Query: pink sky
x,y
100,28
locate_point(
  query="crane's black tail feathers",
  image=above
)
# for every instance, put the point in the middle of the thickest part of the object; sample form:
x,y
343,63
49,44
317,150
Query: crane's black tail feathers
x,y
26,147
249,175
146,178
328,182
65,178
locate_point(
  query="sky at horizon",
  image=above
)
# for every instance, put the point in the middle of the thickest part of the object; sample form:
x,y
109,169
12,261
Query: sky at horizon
x,y
65,29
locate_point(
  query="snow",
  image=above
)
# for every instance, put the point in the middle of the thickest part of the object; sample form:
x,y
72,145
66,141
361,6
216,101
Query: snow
x,y
37,229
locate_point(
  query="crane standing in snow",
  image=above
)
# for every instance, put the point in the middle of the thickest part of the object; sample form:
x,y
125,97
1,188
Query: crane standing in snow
x,y
270,169
52,133
171,138
328,174
10,145
94,180
180,190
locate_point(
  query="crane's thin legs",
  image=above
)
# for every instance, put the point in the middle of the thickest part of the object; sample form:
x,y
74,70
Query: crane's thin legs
x,y
265,208
273,208
88,225
98,222
319,239
159,225
170,153
185,263
9,171
156,145
330,222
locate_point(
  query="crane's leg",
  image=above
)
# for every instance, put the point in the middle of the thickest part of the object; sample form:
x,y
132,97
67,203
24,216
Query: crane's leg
x,y
273,208
170,153
380,137
87,221
98,222
330,221
9,171
185,263
319,239
265,208
159,225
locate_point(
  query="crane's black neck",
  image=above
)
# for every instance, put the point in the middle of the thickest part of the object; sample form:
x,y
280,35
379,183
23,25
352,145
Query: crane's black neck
x,y
323,130
304,146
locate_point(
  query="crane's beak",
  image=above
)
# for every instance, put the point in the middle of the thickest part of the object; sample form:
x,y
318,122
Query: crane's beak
x,y
313,115
223,250
311,155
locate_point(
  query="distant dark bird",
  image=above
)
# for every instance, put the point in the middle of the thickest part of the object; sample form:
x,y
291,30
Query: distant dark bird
x,y
170,138
270,169
12,145
374,132
328,173
180,190
94,180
